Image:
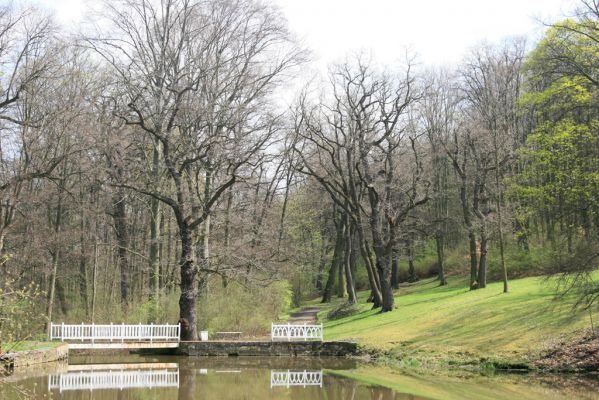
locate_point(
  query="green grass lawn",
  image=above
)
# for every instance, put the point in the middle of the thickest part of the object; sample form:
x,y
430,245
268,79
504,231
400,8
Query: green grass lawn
x,y
27,345
454,320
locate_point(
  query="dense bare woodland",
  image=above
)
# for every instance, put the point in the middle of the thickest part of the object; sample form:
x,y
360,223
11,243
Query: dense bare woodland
x,y
151,172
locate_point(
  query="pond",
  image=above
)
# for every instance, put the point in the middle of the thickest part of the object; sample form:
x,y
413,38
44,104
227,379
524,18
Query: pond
x,y
169,377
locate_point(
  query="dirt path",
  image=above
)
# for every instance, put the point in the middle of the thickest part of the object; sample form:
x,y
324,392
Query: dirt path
x,y
304,316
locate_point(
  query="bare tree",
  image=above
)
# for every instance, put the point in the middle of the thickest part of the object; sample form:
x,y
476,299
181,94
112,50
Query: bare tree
x,y
27,57
357,147
492,87
195,76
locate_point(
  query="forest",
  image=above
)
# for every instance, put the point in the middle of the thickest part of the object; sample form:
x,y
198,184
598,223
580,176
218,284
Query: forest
x,y
168,164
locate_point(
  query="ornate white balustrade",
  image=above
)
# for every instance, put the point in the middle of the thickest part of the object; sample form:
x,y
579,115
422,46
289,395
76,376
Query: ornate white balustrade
x,y
112,332
295,378
289,332
115,379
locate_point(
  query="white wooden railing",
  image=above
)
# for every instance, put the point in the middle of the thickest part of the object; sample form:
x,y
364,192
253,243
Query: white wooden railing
x,y
289,332
295,378
117,379
113,332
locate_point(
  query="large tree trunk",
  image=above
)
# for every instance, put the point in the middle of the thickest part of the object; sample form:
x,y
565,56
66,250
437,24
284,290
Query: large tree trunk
x,y
335,262
384,269
187,300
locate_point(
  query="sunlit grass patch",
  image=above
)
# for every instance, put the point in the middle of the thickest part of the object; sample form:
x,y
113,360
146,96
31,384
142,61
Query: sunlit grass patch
x,y
452,318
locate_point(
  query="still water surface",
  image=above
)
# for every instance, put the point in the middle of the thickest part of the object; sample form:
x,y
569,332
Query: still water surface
x,y
140,377
168,377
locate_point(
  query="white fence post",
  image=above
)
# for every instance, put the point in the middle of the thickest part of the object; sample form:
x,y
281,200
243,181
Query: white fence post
x,y
289,332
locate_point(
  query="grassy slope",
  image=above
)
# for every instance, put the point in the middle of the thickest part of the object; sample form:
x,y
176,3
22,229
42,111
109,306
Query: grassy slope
x,y
454,320
28,345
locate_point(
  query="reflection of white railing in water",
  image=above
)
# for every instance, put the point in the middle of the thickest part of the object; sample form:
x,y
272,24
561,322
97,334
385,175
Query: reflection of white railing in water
x,y
115,379
295,378
116,333
290,332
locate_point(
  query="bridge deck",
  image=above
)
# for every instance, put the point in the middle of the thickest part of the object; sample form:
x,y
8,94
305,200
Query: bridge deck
x,y
124,345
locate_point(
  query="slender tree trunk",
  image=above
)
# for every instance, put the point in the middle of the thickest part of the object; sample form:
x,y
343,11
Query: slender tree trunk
x,y
52,290
83,270
473,261
284,207
498,201
122,237
482,266
412,275
373,278
440,244
55,257
501,240
94,281
154,259
349,280
341,281
170,265
227,228
321,264
471,235
394,271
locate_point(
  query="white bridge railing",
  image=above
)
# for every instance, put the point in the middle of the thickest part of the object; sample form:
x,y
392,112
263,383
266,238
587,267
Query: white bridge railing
x,y
117,379
112,332
295,378
289,332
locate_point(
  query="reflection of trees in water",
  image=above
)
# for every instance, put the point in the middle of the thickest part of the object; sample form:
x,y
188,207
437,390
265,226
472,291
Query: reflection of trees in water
x,y
187,383
336,388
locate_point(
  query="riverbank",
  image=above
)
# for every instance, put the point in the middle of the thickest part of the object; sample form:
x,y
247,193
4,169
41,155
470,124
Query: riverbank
x,y
453,327
27,353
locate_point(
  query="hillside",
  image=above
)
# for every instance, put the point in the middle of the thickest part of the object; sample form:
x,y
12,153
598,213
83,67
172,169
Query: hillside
x,y
455,325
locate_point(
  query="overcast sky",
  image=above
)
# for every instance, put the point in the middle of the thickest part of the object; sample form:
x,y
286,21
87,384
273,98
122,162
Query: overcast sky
x,y
439,31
